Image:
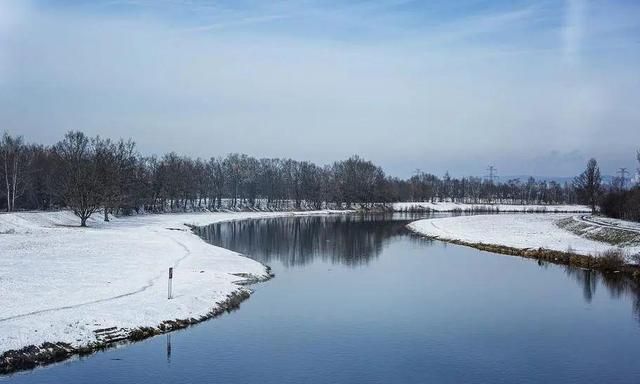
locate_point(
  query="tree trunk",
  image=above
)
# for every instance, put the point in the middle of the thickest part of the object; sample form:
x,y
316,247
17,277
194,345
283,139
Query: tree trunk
x,y
6,179
106,214
15,183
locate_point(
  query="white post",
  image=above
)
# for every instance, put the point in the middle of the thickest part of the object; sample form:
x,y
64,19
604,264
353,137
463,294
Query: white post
x,y
170,280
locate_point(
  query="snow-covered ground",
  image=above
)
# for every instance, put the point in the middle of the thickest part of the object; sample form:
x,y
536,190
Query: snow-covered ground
x,y
523,231
60,282
451,207
607,222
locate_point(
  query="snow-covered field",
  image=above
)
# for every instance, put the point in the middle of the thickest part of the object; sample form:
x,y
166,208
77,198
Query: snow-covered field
x,y
523,231
451,207
60,282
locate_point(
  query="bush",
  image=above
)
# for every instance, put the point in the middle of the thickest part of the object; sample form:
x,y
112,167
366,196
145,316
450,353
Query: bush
x,y
611,259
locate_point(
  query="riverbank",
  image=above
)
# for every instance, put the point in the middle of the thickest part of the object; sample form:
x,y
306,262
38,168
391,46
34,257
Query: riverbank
x,y
70,291
419,207
621,233
537,236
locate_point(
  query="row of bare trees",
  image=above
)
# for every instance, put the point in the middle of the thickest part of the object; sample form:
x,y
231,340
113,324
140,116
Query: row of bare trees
x,y
98,174
428,187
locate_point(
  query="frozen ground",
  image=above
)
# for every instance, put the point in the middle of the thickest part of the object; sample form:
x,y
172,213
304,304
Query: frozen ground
x,y
450,207
523,231
60,282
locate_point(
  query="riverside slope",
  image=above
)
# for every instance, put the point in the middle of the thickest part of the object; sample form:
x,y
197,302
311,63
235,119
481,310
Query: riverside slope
x,y
517,231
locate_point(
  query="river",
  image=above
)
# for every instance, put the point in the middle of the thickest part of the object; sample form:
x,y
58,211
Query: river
x,y
359,299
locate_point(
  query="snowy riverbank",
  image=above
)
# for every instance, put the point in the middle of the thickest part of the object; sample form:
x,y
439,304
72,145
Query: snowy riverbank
x,y
62,283
518,231
482,207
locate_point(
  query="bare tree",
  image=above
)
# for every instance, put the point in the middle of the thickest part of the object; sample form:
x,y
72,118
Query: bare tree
x,y
115,164
107,173
12,153
235,175
588,184
357,181
80,186
216,176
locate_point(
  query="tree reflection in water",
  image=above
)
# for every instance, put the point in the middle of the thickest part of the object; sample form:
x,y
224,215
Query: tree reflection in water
x,y
348,239
354,240
617,285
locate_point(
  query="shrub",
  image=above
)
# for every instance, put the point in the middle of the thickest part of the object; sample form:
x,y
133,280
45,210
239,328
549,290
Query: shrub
x,y
611,259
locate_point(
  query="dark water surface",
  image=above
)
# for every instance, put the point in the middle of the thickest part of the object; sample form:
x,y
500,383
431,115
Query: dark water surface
x,y
357,299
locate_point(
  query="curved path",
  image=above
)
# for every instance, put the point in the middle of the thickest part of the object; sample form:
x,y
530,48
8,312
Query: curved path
x,y
591,220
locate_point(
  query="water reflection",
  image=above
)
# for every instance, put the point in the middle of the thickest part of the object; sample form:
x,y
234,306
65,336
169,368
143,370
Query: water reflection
x,y
617,285
355,240
297,241
168,348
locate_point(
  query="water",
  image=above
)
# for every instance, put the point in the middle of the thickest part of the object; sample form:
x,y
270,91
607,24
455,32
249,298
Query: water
x,y
357,299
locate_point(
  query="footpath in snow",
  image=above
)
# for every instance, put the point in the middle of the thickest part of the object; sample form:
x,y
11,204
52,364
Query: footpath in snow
x,y
521,231
63,283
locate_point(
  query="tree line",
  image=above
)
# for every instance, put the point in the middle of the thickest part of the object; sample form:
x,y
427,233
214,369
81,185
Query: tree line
x,y
616,200
95,174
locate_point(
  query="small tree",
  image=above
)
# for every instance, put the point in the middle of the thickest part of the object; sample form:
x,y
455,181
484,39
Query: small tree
x,y
588,185
79,182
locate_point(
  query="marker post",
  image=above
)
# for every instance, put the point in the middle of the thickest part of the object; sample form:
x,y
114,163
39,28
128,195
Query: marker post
x,y
170,293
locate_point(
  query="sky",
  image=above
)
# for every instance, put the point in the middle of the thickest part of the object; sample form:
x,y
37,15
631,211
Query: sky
x,y
531,87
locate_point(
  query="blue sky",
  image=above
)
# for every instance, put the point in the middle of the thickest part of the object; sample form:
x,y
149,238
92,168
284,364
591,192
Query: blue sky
x,y
533,87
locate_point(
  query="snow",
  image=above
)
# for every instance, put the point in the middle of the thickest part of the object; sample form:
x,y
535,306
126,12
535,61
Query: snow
x,y
523,231
608,222
451,206
60,282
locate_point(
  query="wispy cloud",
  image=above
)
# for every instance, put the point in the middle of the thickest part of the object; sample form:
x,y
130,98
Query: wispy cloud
x,y
235,23
573,28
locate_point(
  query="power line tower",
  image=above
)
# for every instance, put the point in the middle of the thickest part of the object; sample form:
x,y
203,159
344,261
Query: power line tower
x,y
492,173
622,172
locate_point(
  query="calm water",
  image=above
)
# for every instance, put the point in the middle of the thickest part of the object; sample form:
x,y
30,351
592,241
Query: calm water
x,y
359,300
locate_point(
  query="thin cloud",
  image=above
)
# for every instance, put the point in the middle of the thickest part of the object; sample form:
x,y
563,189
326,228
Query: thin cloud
x,y
235,23
502,22
573,29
